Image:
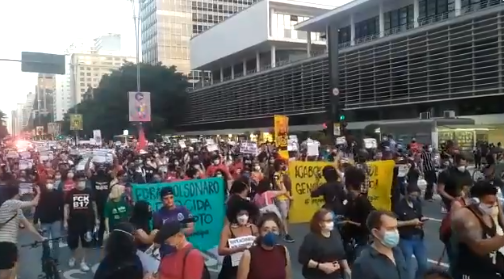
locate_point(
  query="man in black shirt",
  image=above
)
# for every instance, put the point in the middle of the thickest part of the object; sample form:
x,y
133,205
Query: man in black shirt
x,y
100,185
332,191
80,213
453,179
410,222
357,208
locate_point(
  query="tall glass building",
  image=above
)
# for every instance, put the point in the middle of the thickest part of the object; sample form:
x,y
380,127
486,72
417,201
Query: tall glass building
x,y
167,27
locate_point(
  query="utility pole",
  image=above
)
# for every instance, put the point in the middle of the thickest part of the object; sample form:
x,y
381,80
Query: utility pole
x,y
334,96
136,20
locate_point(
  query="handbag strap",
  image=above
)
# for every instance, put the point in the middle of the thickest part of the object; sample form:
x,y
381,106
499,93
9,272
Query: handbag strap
x,y
10,219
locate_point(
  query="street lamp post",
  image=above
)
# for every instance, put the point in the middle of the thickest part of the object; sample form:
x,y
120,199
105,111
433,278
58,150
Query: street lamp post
x,y
136,20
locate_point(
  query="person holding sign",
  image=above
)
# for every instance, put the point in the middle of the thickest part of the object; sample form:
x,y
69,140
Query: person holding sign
x,y
170,212
236,236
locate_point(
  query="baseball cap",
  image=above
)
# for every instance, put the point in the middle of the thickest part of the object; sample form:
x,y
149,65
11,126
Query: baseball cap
x,y
166,191
168,230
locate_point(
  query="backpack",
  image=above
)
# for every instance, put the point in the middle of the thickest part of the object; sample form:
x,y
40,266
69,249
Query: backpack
x,y
205,274
445,230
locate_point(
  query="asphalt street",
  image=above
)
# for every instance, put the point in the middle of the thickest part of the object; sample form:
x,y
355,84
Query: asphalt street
x,y
29,266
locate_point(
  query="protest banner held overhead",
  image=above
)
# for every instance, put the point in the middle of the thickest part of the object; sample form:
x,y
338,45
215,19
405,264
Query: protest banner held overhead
x,y
281,128
303,176
204,198
76,122
139,106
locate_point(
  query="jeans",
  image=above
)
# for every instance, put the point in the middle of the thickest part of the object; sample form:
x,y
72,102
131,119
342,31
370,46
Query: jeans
x,y
414,246
53,230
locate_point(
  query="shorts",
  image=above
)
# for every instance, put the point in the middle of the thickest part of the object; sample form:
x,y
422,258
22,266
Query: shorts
x,y
283,206
76,233
8,255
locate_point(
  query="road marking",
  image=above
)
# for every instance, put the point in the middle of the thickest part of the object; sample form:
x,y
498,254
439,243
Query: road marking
x,y
434,219
436,262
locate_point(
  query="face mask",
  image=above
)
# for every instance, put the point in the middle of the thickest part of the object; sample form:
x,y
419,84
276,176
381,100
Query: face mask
x,y
329,226
390,239
489,209
270,239
176,163
70,175
218,175
81,185
57,177
49,186
257,168
461,168
430,149
216,162
242,219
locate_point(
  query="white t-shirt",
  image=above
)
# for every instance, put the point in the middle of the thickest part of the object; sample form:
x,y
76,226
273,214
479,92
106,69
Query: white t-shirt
x,y
9,231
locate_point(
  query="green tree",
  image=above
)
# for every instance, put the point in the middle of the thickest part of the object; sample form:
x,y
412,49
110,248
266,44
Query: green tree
x,y
3,129
107,109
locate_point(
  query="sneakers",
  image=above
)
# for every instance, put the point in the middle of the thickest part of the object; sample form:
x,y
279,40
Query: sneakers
x,y
288,238
71,262
84,267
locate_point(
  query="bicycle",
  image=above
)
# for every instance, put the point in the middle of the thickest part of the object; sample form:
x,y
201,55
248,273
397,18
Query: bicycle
x,y
49,265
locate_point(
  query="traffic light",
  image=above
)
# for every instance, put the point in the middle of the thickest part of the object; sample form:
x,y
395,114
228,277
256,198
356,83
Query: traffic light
x,y
342,118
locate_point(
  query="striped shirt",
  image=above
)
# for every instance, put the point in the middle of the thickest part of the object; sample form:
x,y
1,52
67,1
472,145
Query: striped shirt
x,y
427,161
9,231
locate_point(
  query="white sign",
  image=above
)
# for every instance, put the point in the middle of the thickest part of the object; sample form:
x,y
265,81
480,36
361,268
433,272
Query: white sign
x,y
97,137
370,143
402,170
125,132
248,148
244,241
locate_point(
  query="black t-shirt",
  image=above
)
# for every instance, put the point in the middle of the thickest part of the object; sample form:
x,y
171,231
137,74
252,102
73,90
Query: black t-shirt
x,y
454,180
80,204
333,195
101,186
321,249
357,210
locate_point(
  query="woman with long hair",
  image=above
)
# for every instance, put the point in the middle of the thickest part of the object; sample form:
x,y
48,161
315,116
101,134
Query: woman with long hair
x,y
121,260
141,219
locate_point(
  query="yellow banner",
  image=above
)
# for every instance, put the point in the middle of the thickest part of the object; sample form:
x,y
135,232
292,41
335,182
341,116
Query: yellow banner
x,y
303,178
282,134
75,122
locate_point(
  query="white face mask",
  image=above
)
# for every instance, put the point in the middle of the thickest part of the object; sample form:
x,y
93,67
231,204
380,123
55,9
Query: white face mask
x,y
329,226
218,175
70,175
257,168
81,185
242,219
430,149
461,168
49,186
216,162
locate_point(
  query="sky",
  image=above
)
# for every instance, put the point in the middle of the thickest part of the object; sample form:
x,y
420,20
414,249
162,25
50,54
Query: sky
x,y
51,26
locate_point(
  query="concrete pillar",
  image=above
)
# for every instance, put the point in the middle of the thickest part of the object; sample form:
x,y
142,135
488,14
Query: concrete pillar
x,y
244,67
258,61
352,30
232,71
273,56
458,7
308,43
221,74
381,19
273,28
416,12
211,77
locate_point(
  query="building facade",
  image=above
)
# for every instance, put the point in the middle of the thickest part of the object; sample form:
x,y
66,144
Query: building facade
x,y
225,52
87,69
396,60
167,27
63,100
45,90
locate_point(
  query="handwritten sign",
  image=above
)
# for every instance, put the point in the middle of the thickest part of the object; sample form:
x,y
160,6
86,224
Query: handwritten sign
x,y
381,174
243,241
303,177
204,198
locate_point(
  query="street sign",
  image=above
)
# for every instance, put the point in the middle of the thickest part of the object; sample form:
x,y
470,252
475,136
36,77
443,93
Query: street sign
x,y
44,63
76,122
